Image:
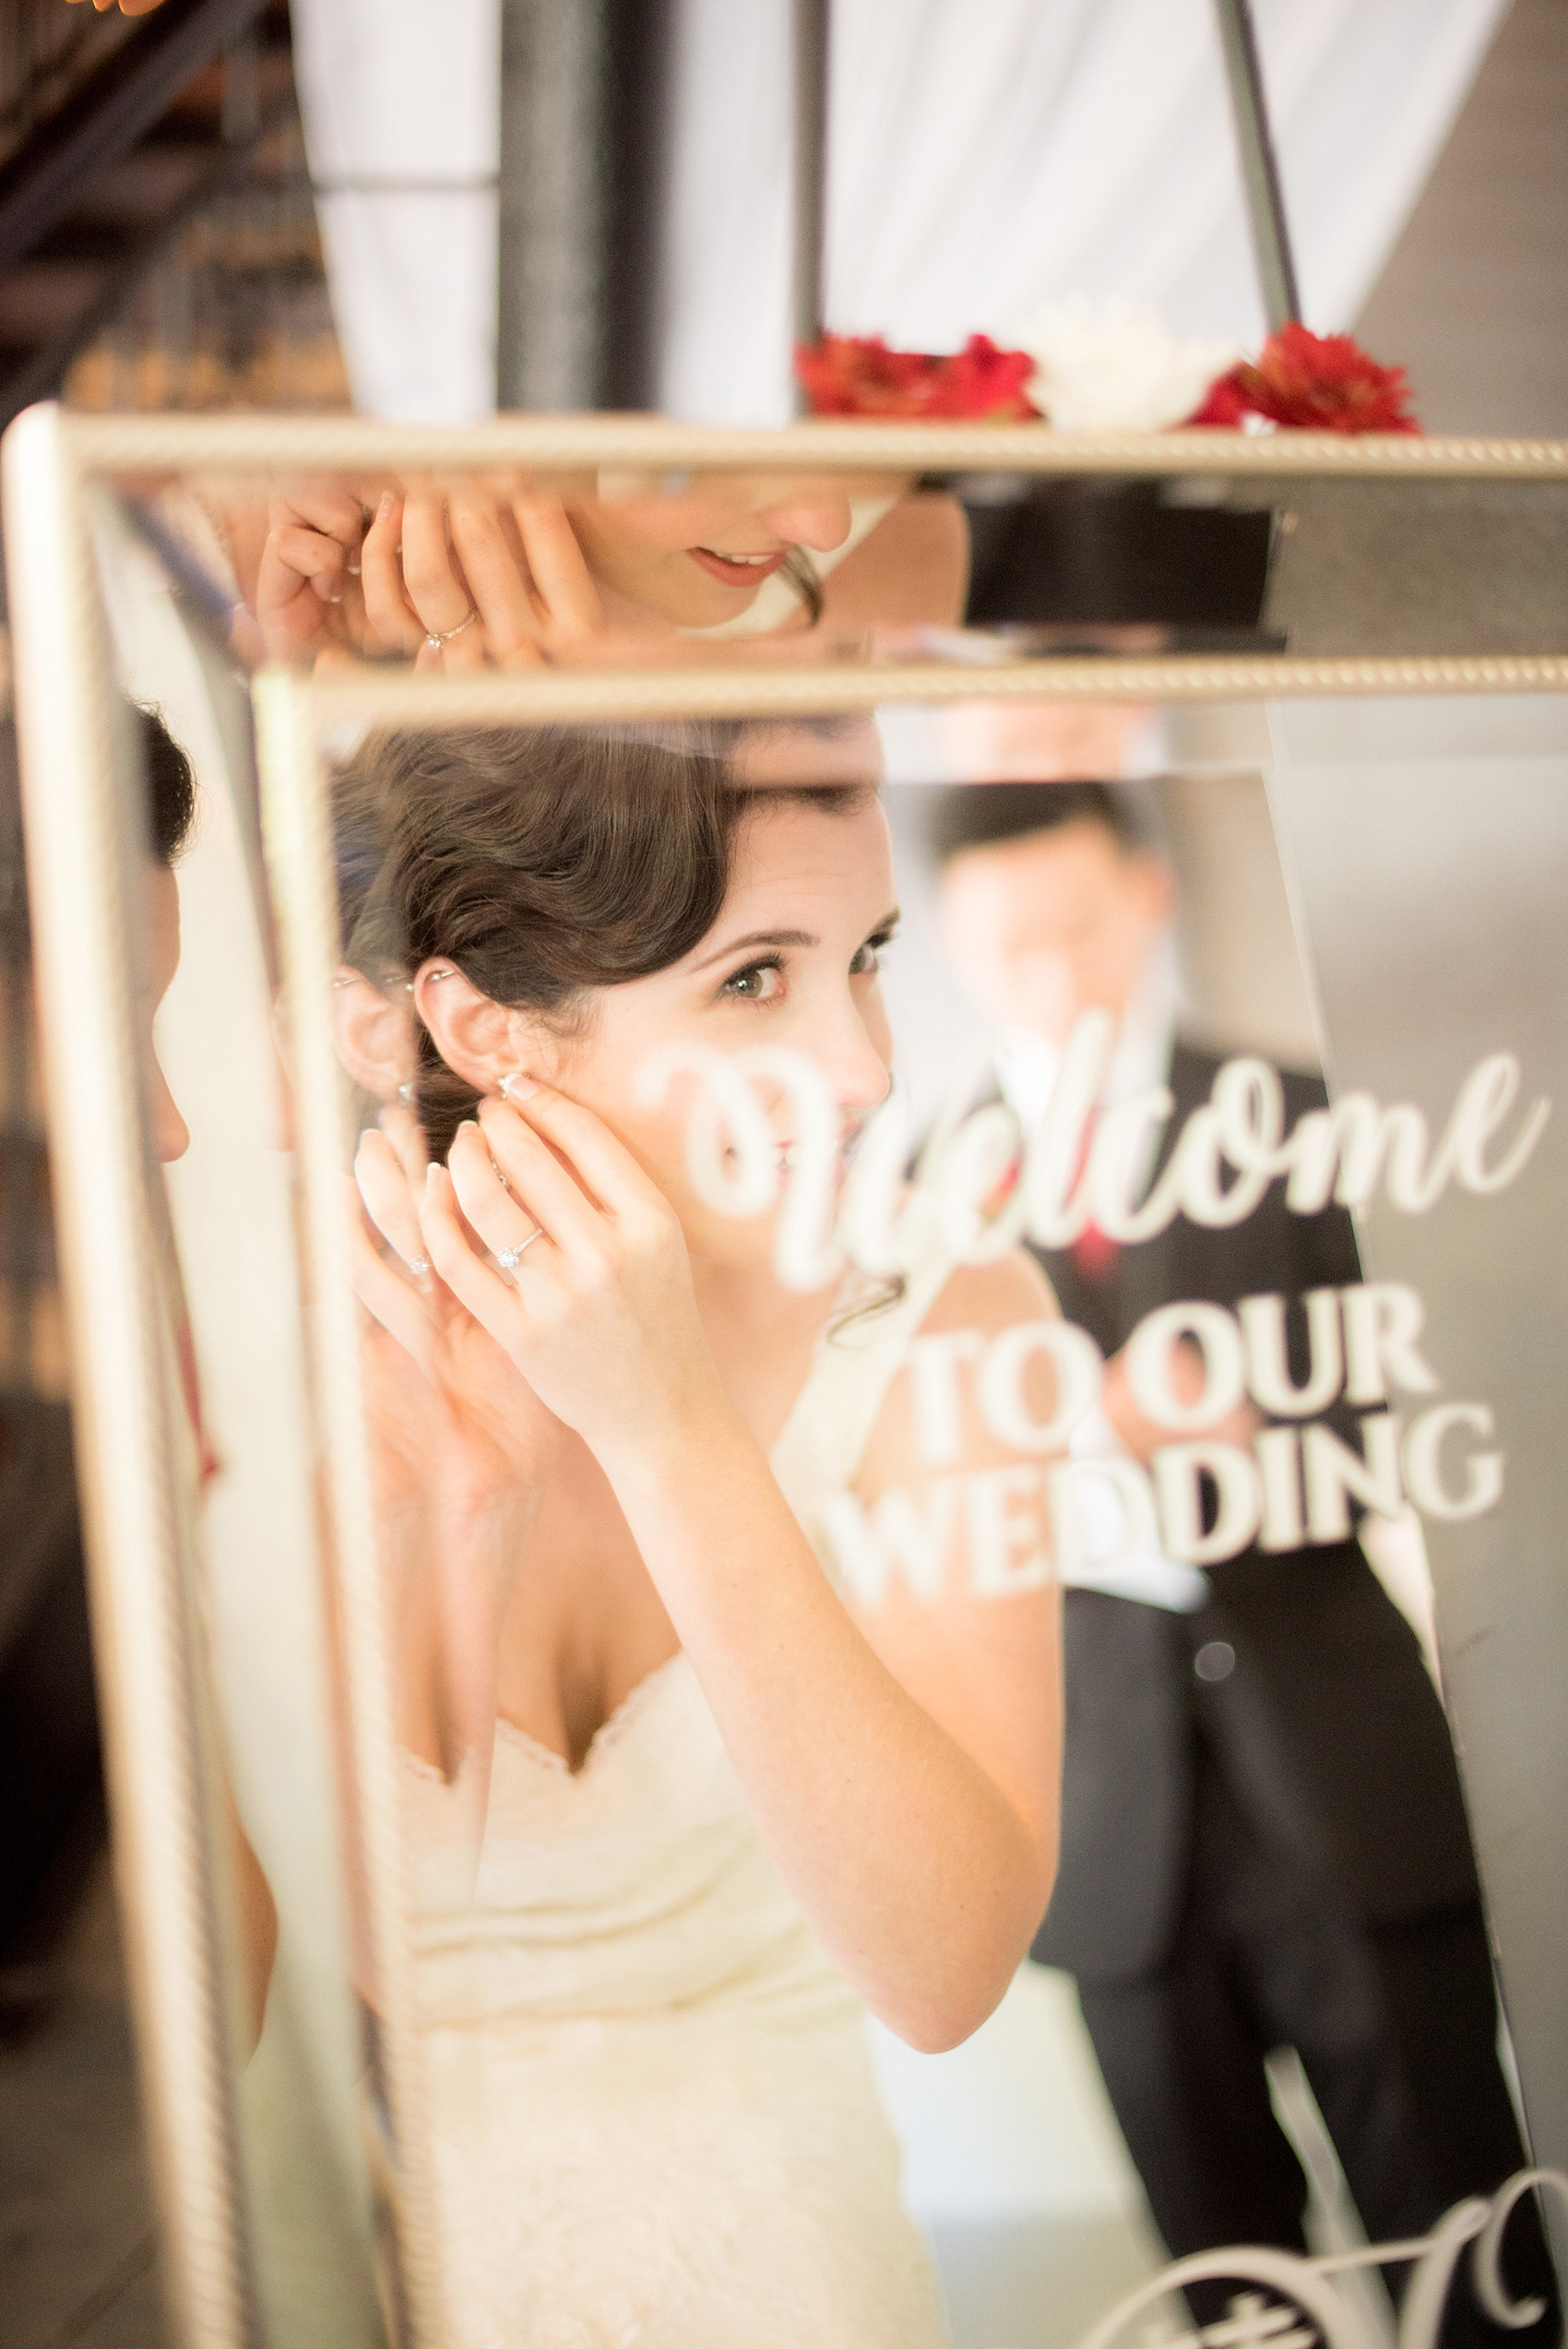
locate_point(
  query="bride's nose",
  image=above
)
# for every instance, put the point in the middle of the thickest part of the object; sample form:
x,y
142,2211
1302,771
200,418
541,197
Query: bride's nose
x,y
820,521
855,1068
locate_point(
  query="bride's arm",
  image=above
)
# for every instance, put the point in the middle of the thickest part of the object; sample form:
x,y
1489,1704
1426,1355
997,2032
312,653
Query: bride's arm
x,y
905,1781
903,1764
912,570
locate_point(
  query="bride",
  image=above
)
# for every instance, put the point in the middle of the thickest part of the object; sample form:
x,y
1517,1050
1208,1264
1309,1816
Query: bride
x,y
721,1811
477,572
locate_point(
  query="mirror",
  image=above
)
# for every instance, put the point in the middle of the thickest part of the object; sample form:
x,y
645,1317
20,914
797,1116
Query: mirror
x,y
829,543
228,1748
867,1379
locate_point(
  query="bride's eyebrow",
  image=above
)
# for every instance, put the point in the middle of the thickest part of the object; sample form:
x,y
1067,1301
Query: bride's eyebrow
x,y
776,938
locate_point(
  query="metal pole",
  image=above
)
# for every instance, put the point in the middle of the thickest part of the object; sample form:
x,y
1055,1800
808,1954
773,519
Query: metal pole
x,y
553,205
811,164
583,131
639,62
1260,171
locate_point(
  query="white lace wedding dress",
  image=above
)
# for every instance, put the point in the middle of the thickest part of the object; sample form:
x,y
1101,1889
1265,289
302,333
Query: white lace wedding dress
x,y
653,2110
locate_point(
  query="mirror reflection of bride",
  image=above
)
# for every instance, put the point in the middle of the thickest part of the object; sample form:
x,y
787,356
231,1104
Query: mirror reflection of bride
x,y
472,573
680,1813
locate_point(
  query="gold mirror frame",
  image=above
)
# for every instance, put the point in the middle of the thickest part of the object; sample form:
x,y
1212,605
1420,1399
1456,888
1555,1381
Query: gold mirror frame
x,y
77,860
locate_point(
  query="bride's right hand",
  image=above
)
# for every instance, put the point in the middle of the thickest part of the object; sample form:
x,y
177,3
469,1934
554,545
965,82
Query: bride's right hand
x,y
601,1318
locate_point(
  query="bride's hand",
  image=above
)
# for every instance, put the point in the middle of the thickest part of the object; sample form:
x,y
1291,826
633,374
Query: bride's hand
x,y
461,1449
598,1313
479,1426
491,579
308,592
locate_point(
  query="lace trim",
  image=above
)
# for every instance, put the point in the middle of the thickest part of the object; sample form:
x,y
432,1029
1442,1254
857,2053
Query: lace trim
x,y
609,1733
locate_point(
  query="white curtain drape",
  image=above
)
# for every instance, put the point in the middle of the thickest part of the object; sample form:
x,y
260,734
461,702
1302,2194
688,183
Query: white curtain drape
x,y
989,156
400,104
985,157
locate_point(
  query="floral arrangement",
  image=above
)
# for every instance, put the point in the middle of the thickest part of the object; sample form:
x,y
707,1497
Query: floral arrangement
x,y
1313,382
1117,369
846,374
1110,370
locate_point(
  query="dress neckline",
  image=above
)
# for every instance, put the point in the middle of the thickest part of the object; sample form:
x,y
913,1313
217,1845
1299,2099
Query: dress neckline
x,y
883,1334
605,1739
530,1748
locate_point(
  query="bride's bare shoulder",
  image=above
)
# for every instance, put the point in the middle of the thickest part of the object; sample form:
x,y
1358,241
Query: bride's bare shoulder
x,y
975,1306
988,1297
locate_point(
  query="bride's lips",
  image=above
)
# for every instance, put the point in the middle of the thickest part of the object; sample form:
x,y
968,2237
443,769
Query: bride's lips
x,y
736,570
787,1153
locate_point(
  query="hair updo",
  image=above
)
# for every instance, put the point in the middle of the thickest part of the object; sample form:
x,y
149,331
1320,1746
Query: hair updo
x,y
544,865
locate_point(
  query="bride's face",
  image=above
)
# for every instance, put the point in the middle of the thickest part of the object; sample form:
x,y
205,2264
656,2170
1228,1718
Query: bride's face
x,y
792,961
161,897
698,558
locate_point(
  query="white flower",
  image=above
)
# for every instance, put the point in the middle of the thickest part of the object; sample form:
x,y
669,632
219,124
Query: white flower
x,y
1112,368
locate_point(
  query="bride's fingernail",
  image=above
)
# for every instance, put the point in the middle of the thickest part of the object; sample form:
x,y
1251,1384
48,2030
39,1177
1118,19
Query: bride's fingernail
x,y
385,507
516,1086
431,1176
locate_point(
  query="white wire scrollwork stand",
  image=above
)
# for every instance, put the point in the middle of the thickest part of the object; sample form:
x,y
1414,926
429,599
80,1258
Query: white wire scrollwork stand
x,y
1303,2300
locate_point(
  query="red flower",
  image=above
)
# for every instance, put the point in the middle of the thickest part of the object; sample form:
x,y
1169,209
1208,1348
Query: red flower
x,y
848,375
1313,382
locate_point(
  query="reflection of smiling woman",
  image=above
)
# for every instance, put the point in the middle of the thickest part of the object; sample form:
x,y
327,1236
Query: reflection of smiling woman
x,y
467,573
723,1810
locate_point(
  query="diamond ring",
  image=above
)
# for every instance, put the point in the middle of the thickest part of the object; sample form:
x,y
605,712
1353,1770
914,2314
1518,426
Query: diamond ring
x,y
510,1258
436,638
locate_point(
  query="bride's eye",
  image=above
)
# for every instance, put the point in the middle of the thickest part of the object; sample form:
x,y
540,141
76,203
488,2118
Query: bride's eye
x,y
758,982
868,959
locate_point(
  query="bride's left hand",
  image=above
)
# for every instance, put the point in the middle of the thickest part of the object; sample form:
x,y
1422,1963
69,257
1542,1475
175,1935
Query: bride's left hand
x,y
599,1314
461,1449
494,577
490,1430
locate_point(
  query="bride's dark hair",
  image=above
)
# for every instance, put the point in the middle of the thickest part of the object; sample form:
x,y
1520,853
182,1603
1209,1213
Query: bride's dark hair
x,y
543,864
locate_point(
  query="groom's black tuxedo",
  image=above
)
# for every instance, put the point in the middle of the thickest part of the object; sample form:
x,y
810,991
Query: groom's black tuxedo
x,y
1263,1838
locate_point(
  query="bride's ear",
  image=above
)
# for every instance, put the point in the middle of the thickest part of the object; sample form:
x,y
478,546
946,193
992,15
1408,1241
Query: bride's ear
x,y
374,1032
479,1039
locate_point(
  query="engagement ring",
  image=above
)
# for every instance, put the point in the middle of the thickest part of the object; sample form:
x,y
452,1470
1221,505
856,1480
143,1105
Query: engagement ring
x,y
436,638
510,1258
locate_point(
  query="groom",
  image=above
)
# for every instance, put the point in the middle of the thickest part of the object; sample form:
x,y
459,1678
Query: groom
x,y
1263,1838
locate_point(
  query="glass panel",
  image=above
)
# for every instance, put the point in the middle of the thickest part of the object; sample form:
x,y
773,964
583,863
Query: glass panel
x,y
742,1197
690,1402
1427,845
809,564
218,1112
1268,1906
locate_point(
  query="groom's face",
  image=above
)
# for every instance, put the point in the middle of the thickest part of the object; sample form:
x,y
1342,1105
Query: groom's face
x,y
1046,927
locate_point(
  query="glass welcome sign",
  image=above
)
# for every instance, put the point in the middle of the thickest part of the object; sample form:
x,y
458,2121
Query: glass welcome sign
x,y
808,1186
